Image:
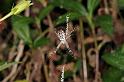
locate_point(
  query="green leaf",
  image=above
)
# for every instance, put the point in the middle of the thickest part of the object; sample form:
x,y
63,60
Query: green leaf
x,y
112,75
71,5
44,12
120,4
62,19
21,27
40,42
6,65
91,6
105,22
115,58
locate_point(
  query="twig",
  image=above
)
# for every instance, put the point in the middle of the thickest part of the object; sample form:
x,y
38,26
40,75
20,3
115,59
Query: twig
x,y
106,7
114,5
28,69
19,68
12,53
50,23
97,55
44,65
19,55
17,59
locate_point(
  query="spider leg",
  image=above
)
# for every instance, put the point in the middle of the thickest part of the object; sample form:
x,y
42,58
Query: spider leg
x,y
56,33
68,47
67,25
68,37
67,31
59,45
69,34
66,44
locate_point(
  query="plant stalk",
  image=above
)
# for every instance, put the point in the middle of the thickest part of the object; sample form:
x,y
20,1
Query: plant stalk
x,y
83,53
96,47
6,16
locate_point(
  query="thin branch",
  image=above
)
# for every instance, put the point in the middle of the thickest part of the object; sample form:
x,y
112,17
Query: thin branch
x,y
44,65
17,59
19,68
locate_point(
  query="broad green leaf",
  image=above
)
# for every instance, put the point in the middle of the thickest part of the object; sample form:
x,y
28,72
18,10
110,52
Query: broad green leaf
x,y
115,58
62,19
112,75
120,4
6,65
40,42
22,81
44,12
106,24
71,5
21,27
91,6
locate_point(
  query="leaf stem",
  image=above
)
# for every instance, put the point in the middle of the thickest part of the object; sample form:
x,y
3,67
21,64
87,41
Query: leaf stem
x,y
6,16
83,53
96,47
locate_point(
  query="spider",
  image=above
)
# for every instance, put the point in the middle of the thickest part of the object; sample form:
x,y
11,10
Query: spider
x,y
63,36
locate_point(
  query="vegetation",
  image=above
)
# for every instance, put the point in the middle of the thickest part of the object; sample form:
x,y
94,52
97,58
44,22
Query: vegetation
x,y
38,38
